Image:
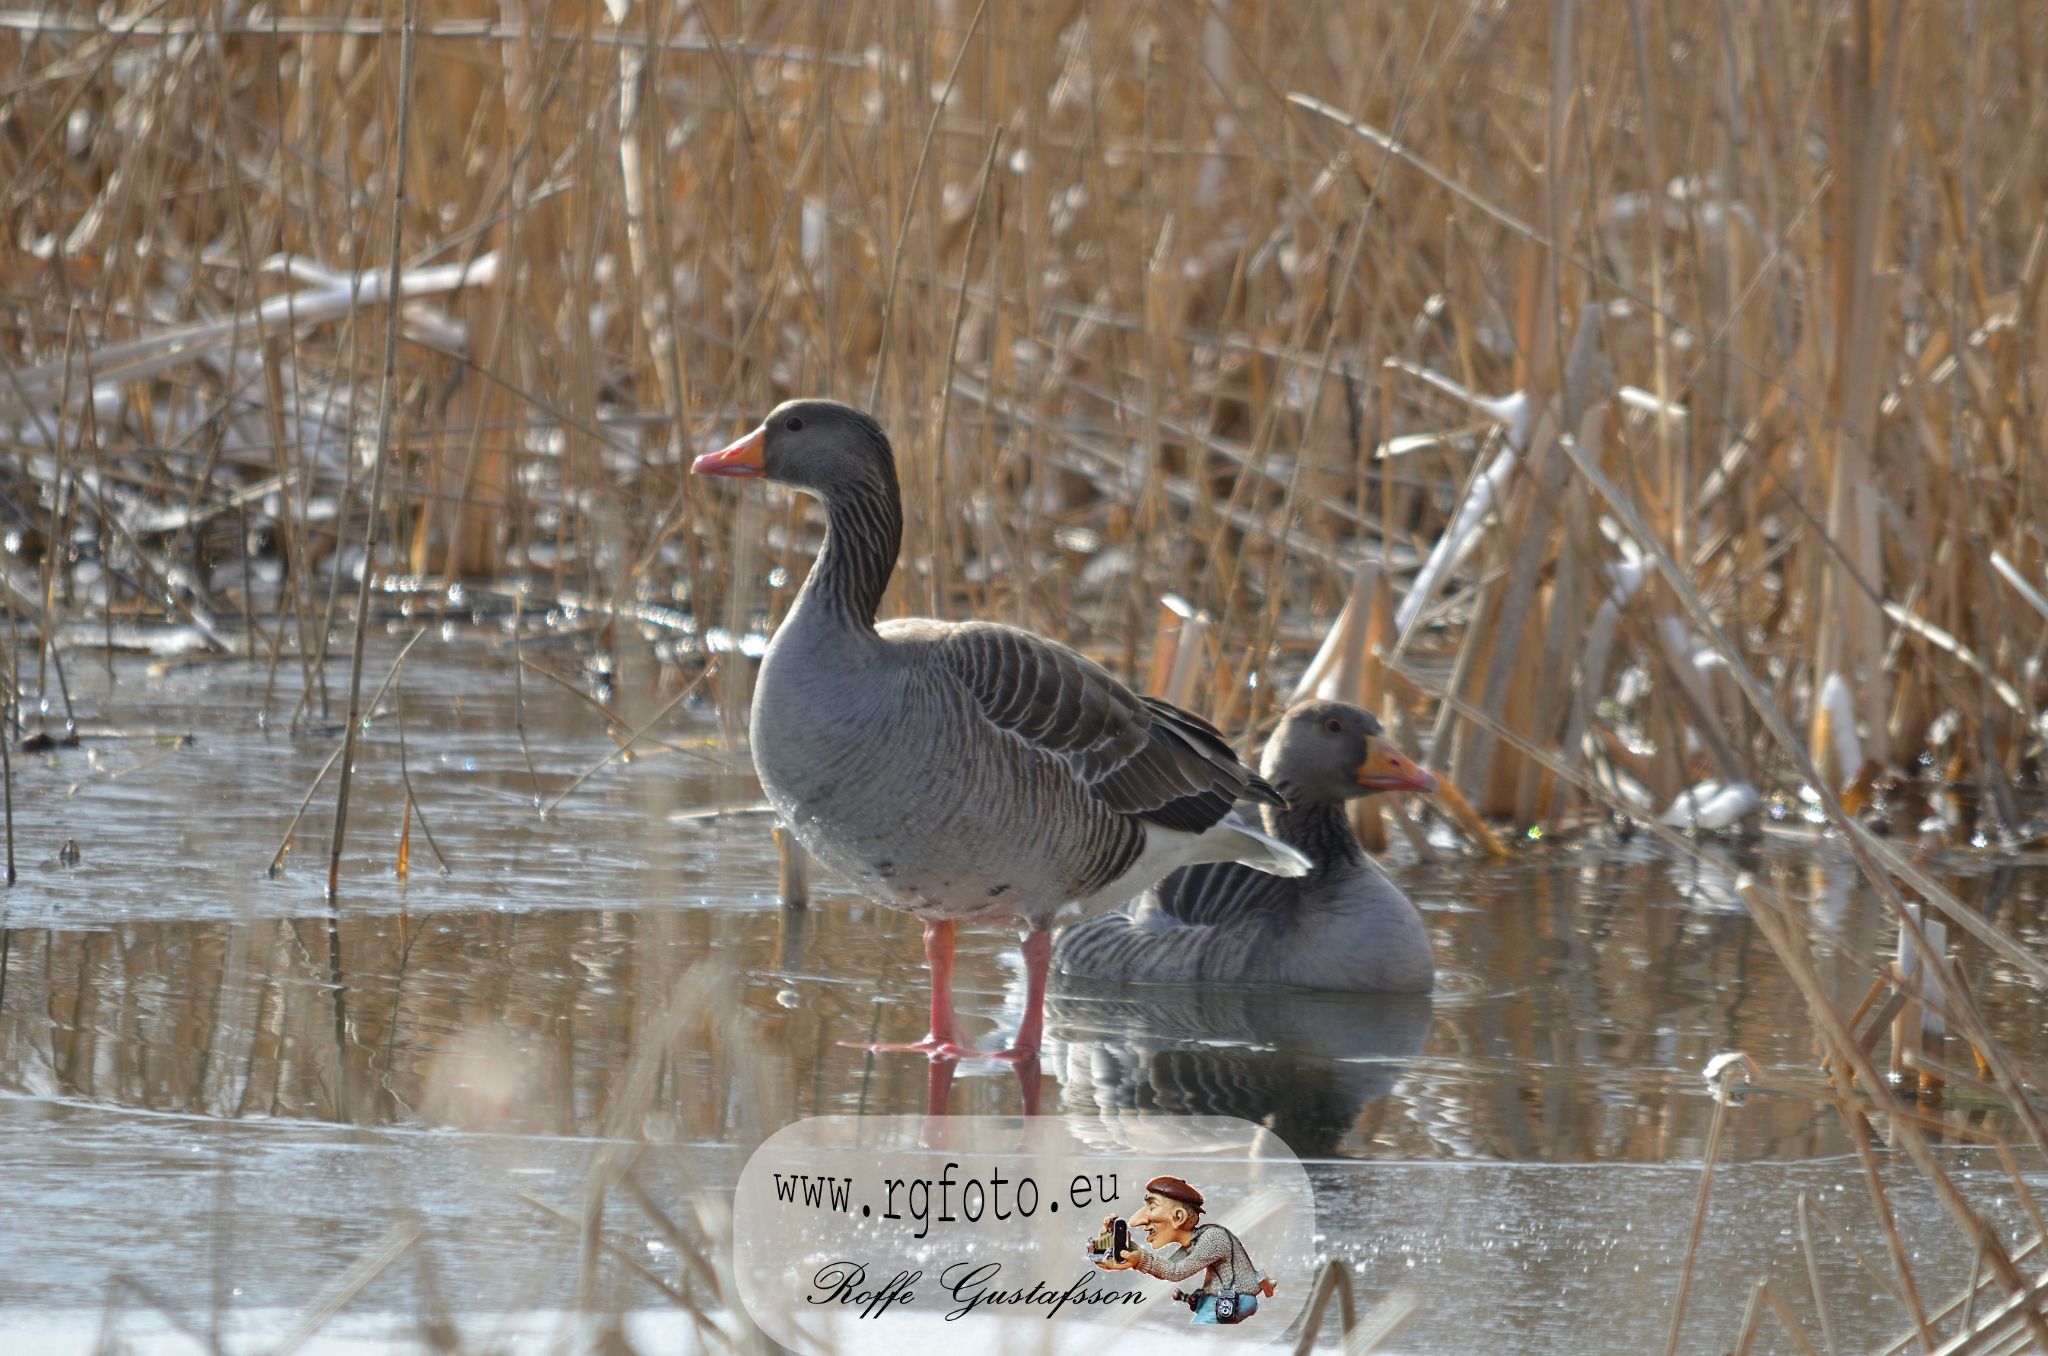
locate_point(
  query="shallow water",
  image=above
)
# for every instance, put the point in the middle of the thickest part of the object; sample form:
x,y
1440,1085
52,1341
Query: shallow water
x,y
1522,1150
1569,1257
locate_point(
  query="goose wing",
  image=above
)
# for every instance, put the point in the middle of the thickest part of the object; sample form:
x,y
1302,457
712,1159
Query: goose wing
x,y
1212,922
1222,893
1137,755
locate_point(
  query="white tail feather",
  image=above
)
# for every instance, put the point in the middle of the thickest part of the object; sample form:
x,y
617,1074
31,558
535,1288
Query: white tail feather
x,y
1230,842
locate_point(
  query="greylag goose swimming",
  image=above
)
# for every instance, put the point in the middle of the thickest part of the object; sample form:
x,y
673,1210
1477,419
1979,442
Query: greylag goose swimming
x,y
1344,925
965,771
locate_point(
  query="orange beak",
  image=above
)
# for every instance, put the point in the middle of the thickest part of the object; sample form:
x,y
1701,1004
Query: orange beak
x,y
1386,769
742,458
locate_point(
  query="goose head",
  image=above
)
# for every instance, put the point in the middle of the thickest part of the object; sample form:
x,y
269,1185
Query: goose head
x,y
831,450
1333,751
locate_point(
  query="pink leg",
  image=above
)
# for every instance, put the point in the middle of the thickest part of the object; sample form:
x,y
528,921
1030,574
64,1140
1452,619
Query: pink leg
x,y
1029,1082
943,1040
938,1093
1037,963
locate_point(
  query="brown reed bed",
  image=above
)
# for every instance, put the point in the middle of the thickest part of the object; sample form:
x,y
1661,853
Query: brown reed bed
x,y
1160,301
1653,388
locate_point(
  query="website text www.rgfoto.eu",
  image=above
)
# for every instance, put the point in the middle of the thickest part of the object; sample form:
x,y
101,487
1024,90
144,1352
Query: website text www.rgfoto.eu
x,y
948,1198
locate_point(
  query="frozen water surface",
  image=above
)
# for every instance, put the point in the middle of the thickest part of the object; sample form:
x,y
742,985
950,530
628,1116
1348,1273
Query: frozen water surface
x,y
1522,1153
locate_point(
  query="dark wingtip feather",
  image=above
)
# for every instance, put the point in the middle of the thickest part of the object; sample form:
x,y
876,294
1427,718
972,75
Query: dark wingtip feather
x,y
1225,771
1259,789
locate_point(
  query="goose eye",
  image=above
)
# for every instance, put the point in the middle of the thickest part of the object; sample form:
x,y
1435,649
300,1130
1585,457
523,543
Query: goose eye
x,y
793,423
1334,725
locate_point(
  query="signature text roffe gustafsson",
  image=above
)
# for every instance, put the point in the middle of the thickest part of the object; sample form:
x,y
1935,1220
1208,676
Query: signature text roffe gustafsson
x,y
971,1284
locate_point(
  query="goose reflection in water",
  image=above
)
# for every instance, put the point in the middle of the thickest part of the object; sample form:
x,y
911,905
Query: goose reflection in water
x,y
1304,1064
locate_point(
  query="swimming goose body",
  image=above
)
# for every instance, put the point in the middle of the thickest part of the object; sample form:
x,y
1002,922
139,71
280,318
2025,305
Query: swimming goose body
x,y
964,771
1345,925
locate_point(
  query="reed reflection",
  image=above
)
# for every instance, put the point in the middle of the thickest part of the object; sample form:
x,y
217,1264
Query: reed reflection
x,y
1581,996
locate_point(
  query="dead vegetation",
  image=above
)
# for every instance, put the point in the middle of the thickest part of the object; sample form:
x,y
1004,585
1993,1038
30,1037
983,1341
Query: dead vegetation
x,y
1222,303
1657,386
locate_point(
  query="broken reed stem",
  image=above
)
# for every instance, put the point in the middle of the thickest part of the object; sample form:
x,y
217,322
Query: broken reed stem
x,y
285,843
156,1301
1970,1289
630,740
1877,1274
1787,1320
412,800
1332,1282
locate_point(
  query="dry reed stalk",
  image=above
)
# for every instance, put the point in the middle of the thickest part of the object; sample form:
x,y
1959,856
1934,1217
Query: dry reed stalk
x,y
396,1243
1510,672
1919,1031
385,406
1776,919
673,1294
620,747
1960,1309
1878,1275
10,726
155,1301
1368,814
1179,647
1173,613
1709,1157
1332,1282
1780,1310
697,211
285,843
1840,1039
413,809
1821,1308
1878,860
1866,79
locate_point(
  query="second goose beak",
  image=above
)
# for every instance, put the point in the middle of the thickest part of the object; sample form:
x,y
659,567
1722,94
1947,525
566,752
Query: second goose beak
x,y
742,458
1386,769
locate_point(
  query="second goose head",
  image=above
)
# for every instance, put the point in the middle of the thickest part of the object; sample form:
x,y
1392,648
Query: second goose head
x,y
1333,751
831,450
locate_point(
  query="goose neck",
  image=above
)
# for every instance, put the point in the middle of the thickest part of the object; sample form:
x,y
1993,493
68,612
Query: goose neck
x,y
1321,829
863,532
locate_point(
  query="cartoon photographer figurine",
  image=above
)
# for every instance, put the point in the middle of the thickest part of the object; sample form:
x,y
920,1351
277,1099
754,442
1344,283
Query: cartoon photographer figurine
x,y
1231,1285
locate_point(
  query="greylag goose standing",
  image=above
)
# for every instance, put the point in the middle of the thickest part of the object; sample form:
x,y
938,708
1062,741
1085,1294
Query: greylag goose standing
x,y
1344,925
965,771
